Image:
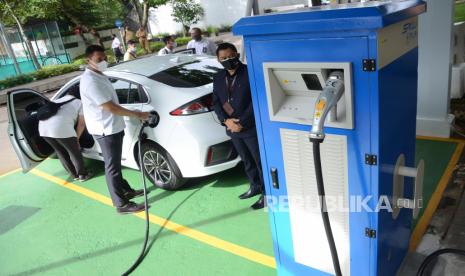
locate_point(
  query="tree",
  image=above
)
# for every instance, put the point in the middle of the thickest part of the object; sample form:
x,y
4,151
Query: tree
x,y
187,12
85,15
143,8
16,9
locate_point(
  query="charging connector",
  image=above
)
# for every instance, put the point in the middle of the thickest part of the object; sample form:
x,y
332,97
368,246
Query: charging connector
x,y
327,101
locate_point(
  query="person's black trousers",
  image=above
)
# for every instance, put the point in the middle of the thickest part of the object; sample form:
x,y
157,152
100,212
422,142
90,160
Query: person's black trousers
x,y
69,154
118,54
248,150
112,147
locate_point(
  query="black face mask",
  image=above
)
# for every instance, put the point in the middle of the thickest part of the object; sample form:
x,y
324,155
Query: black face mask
x,y
231,63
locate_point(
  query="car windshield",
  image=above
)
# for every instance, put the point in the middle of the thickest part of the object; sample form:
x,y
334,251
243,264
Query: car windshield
x,y
192,74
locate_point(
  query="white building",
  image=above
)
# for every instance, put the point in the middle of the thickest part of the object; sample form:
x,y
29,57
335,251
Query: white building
x,y
217,13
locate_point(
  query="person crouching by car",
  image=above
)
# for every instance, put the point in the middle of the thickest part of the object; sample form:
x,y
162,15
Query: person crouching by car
x,y
59,132
232,102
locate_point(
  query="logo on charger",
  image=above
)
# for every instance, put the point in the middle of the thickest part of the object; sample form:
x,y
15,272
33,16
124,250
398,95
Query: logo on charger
x,y
410,31
319,108
289,81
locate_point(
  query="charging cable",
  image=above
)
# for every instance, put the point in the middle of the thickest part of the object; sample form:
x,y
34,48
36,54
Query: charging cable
x,y
436,254
323,209
152,123
326,103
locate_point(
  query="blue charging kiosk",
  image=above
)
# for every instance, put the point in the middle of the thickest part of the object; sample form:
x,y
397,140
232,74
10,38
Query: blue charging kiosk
x,y
372,182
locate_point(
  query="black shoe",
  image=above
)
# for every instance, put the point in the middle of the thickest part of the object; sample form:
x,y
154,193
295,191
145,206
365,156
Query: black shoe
x,y
85,177
260,204
130,208
250,193
133,193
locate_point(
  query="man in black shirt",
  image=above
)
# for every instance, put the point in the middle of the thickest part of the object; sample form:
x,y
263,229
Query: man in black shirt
x,y
233,105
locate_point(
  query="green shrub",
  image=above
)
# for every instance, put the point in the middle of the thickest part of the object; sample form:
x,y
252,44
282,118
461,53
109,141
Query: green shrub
x,y
183,40
140,52
162,35
79,61
54,70
212,30
111,59
156,46
15,81
45,72
225,28
459,12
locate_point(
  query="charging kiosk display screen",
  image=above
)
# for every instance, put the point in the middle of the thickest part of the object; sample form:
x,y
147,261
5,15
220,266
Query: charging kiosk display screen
x,y
312,82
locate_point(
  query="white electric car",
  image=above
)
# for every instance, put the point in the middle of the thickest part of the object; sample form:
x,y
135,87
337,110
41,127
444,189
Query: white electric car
x,y
188,142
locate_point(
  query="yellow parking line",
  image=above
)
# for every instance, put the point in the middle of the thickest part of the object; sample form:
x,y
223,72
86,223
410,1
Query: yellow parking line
x,y
425,219
440,139
10,172
213,241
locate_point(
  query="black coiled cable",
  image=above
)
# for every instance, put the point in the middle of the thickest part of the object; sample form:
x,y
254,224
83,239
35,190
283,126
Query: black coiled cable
x,y
147,222
436,254
323,209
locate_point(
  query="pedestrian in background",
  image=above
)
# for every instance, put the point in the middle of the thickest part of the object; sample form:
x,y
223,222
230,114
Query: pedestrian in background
x,y
131,51
128,34
117,48
104,117
201,45
170,44
141,34
232,102
59,132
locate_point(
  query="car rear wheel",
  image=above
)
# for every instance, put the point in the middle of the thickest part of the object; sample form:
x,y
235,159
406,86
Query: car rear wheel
x,y
160,167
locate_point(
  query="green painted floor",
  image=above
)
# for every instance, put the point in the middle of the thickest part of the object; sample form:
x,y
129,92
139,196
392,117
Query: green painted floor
x,y
46,229
49,230
437,155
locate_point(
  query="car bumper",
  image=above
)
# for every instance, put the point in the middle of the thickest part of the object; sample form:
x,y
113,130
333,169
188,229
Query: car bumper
x,y
190,145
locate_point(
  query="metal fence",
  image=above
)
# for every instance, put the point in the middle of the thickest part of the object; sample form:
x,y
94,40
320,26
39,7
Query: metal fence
x,y
46,43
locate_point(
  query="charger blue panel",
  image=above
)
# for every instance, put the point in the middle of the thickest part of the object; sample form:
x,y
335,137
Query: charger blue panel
x,y
368,155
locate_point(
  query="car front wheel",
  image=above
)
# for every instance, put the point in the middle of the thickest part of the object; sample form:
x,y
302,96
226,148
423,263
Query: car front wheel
x,y
160,167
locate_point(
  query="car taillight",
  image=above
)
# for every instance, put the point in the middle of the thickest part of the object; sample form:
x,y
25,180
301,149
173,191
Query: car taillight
x,y
200,105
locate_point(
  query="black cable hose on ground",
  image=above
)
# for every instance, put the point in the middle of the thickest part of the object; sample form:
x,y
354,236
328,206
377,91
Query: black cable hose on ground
x,y
435,254
323,209
147,222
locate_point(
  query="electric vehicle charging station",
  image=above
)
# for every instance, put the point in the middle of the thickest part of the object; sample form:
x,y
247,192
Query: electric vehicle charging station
x,y
348,73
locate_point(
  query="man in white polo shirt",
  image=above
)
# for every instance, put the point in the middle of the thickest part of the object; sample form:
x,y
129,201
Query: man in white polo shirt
x,y
200,44
104,120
